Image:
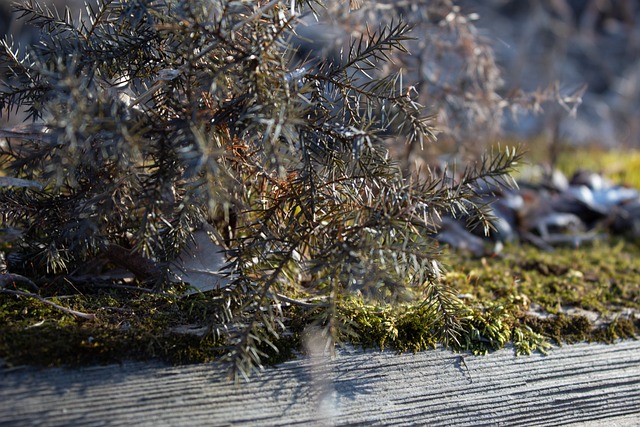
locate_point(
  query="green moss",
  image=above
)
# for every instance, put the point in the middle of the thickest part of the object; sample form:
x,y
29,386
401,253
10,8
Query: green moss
x,y
401,328
55,345
126,327
618,329
598,277
603,278
521,299
562,328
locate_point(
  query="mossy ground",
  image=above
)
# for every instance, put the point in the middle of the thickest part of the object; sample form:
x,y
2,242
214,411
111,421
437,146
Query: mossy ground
x,y
590,293
524,297
128,325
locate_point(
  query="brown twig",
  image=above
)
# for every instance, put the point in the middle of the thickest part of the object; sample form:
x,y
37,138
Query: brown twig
x,y
87,316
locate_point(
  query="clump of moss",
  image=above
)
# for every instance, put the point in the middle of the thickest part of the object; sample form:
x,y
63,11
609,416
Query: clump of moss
x,y
573,329
402,328
562,328
616,330
412,328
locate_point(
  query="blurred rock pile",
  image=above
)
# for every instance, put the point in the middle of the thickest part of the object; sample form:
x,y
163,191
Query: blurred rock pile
x,y
548,211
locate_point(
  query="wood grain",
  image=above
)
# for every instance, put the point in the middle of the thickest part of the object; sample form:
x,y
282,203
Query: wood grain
x,y
583,384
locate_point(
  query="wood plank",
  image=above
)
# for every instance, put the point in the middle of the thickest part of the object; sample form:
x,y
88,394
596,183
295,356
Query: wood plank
x,y
582,384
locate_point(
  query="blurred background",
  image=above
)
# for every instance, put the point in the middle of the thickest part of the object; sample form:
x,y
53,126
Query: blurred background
x,y
558,78
590,44
555,75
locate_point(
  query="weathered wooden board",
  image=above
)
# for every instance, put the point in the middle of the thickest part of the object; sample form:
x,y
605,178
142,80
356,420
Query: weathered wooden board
x,y
584,384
